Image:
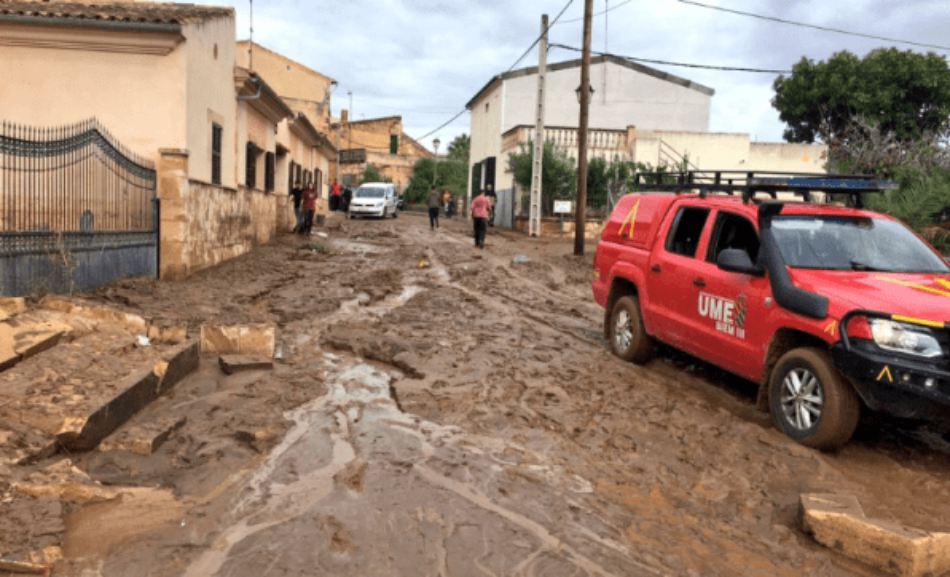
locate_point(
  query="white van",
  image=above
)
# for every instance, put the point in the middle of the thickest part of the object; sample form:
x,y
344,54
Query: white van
x,y
374,199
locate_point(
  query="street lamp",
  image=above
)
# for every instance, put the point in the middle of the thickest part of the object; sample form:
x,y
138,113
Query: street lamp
x,y
578,92
436,142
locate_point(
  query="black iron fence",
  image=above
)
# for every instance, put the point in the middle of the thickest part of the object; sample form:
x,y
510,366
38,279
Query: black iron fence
x,y
77,209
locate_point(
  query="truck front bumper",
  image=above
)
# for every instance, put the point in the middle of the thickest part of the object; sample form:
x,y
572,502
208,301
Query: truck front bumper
x,y
896,385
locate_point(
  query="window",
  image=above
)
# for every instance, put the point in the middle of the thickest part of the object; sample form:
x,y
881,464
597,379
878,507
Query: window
x,y
319,184
733,231
216,132
687,228
290,176
486,107
269,169
250,166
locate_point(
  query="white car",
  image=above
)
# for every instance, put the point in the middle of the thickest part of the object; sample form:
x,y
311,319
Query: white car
x,y
374,199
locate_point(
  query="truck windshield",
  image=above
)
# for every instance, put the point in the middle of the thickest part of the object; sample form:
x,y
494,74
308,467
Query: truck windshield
x,y
853,243
367,192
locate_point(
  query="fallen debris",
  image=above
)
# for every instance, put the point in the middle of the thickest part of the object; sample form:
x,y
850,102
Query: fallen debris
x,y
231,364
838,522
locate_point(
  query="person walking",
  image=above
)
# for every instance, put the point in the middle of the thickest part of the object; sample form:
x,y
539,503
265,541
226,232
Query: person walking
x,y
447,202
479,208
310,197
434,202
335,190
297,193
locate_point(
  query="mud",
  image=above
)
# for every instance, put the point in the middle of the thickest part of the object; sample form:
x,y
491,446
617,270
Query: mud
x,y
440,410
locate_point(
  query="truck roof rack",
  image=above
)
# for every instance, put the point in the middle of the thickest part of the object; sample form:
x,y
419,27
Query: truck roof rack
x,y
749,183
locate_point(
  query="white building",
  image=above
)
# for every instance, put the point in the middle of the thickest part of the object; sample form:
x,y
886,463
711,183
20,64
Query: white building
x,y
625,95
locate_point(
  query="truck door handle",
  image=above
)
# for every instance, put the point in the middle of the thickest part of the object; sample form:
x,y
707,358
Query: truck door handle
x,y
699,282
656,268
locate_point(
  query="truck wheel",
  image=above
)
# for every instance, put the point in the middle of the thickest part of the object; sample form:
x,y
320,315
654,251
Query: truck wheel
x,y
395,212
811,402
628,339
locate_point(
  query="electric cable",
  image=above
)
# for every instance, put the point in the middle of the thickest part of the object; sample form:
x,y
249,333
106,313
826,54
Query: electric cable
x,y
816,27
533,44
668,63
599,13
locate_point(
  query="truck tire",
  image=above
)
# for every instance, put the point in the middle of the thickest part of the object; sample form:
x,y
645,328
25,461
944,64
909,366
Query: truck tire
x,y
628,339
811,402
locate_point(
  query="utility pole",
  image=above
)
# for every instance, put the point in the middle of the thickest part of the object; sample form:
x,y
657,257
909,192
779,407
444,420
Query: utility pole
x,y
534,214
580,212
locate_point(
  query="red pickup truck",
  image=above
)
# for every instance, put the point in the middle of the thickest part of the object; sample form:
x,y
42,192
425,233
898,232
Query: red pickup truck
x,y
830,309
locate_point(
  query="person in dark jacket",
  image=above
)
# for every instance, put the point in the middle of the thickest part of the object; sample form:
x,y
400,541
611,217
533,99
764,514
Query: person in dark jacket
x,y
434,202
345,199
297,193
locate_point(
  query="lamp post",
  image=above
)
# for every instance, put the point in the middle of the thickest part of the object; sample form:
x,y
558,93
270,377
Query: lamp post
x,y
436,142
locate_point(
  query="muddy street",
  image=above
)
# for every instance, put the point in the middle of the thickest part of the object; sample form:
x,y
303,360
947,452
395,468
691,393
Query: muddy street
x,y
435,409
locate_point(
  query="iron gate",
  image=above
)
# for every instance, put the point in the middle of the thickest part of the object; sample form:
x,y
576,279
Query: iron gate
x,y
77,210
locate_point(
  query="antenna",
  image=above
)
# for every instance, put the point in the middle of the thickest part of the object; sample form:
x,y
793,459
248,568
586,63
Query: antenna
x,y
251,44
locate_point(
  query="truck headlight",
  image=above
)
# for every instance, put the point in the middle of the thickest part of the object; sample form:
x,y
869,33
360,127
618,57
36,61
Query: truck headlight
x,y
904,338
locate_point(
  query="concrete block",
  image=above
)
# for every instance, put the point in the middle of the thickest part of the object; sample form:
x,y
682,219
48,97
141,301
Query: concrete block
x,y
10,306
177,364
143,439
238,340
220,340
838,522
34,344
136,391
170,335
231,364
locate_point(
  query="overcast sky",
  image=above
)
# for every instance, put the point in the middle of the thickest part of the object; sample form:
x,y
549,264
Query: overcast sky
x,y
424,59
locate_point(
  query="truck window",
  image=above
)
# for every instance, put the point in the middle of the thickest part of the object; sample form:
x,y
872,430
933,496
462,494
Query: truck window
x,y
733,231
688,224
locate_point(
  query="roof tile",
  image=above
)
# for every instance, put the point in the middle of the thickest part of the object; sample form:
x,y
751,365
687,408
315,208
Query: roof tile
x,y
133,12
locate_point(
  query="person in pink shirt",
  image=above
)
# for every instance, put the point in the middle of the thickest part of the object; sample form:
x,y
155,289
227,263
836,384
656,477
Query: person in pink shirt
x,y
480,207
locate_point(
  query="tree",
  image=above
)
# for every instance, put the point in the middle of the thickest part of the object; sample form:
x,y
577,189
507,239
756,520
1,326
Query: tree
x,y
370,174
904,93
558,175
459,148
452,174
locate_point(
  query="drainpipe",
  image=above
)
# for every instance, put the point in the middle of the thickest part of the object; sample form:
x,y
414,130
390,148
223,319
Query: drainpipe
x,y
260,89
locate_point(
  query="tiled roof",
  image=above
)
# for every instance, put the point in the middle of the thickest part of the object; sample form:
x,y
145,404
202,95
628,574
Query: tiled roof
x,y
118,12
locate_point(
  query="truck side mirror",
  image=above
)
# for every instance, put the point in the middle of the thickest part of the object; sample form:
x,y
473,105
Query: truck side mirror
x,y
738,260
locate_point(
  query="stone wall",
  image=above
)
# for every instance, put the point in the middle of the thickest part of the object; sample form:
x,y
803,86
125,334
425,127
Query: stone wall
x,y
203,224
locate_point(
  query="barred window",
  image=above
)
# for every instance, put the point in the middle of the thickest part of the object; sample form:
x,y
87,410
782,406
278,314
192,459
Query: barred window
x,y
250,166
269,168
216,132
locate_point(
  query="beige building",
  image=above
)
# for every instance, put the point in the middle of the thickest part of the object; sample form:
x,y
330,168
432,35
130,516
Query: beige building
x,y
372,141
163,78
304,90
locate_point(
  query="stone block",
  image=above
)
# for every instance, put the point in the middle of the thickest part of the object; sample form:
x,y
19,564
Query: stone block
x,y
10,306
231,364
34,344
177,364
220,340
171,335
136,391
238,340
838,522
143,439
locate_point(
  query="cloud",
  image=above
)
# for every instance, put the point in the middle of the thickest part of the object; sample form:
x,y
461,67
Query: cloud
x,y
424,59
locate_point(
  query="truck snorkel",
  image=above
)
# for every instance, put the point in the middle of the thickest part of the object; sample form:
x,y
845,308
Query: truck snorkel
x,y
786,294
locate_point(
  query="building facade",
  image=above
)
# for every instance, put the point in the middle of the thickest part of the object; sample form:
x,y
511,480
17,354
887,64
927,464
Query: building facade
x,y
380,142
164,79
625,94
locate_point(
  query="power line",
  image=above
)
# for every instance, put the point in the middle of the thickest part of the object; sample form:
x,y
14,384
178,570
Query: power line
x,y
816,27
668,63
599,13
533,44
538,39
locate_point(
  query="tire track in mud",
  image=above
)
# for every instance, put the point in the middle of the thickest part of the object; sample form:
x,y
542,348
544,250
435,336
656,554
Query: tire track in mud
x,y
353,389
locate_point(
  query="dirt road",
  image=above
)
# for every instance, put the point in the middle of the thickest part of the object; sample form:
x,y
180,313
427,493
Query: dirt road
x,y
447,411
